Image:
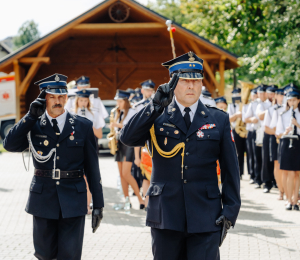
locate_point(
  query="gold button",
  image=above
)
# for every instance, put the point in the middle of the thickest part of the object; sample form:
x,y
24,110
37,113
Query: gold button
x,y
57,183
57,157
57,145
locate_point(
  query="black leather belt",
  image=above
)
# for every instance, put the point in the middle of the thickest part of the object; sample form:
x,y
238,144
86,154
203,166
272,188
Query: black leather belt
x,y
58,174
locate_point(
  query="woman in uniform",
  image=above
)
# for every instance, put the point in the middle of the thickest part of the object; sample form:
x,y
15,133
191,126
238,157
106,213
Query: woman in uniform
x,y
83,108
270,123
288,126
124,155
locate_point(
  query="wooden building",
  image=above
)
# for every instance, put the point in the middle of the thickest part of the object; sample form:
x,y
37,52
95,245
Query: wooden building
x,y
118,43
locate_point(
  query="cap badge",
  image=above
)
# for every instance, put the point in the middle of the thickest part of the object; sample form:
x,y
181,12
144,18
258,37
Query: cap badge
x,y
150,81
83,78
83,91
57,78
191,54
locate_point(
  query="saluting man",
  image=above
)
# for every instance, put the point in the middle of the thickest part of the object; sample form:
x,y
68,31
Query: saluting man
x,y
64,149
186,138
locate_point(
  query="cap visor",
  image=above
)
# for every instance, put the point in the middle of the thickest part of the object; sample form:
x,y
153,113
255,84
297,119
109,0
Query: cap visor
x,y
190,75
57,91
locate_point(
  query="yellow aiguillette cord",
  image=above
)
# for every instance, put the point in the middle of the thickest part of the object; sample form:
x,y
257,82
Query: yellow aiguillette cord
x,y
162,153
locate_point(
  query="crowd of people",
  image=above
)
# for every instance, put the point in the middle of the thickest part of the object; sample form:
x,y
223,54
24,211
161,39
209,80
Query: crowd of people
x,y
272,122
270,117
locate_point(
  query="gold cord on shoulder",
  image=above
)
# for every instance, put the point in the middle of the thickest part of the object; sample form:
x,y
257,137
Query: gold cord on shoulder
x,y
164,154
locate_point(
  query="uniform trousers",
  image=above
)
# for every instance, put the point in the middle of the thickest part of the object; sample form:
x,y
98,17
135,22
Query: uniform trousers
x,y
59,239
257,160
250,155
241,148
175,245
267,172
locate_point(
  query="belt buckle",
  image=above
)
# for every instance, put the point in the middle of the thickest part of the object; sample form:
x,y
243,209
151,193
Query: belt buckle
x,y
54,176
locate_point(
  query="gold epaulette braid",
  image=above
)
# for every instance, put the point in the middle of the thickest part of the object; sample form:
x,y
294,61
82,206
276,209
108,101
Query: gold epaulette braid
x,y
162,153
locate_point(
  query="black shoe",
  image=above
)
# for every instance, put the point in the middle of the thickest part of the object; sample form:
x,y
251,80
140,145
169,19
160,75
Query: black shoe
x,y
296,207
266,190
142,206
252,181
289,206
257,186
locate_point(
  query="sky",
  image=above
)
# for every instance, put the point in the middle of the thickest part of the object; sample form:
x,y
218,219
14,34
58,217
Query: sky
x,y
49,15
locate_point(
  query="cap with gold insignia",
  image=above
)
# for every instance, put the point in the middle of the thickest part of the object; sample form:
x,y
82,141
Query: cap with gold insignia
x,y
54,84
83,93
188,66
122,94
83,81
149,84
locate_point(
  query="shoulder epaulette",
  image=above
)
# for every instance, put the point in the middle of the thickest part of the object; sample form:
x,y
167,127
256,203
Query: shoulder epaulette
x,y
207,105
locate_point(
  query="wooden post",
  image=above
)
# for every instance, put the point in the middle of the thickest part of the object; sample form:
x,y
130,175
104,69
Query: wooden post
x,y
18,95
222,76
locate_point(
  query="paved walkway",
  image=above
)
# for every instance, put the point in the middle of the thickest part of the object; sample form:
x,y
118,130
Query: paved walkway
x,y
264,229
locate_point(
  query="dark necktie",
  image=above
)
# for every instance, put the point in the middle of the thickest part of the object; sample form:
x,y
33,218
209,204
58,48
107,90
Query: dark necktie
x,y
295,127
187,118
55,127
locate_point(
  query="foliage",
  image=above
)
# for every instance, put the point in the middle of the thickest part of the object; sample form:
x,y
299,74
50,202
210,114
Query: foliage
x,y
28,32
265,34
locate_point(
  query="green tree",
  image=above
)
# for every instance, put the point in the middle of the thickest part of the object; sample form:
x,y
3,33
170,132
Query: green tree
x,y
28,32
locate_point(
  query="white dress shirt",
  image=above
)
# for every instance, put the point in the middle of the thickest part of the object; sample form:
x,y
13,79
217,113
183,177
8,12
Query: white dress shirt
x,y
269,115
60,120
251,113
130,114
232,109
284,121
192,107
275,116
98,121
244,110
261,107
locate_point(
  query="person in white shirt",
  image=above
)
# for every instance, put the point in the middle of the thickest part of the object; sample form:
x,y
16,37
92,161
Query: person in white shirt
x,y
84,83
221,103
147,92
249,140
235,114
125,154
270,123
252,118
83,108
288,128
206,98
263,111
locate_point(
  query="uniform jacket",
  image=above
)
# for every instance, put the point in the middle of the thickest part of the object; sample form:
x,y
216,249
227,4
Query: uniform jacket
x,y
193,202
49,196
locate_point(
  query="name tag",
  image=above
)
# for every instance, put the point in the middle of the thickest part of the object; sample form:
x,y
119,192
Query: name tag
x,y
170,125
41,136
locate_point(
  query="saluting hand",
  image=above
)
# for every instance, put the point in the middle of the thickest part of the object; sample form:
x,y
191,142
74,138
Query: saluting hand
x,y
97,216
38,106
164,94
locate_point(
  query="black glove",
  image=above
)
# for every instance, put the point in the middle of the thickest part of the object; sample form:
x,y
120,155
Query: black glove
x,y
97,216
164,94
38,106
226,224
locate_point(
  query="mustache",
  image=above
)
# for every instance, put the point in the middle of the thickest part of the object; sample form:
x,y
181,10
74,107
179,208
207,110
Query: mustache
x,y
57,105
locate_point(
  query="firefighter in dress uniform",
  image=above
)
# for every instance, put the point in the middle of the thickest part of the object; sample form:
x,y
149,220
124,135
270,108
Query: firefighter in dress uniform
x,y
279,107
64,149
147,92
249,140
96,104
83,108
288,128
240,142
267,169
185,139
221,103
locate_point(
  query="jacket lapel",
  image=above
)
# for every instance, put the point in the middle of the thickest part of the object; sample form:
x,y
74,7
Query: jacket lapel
x,y
175,117
200,118
47,128
68,127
